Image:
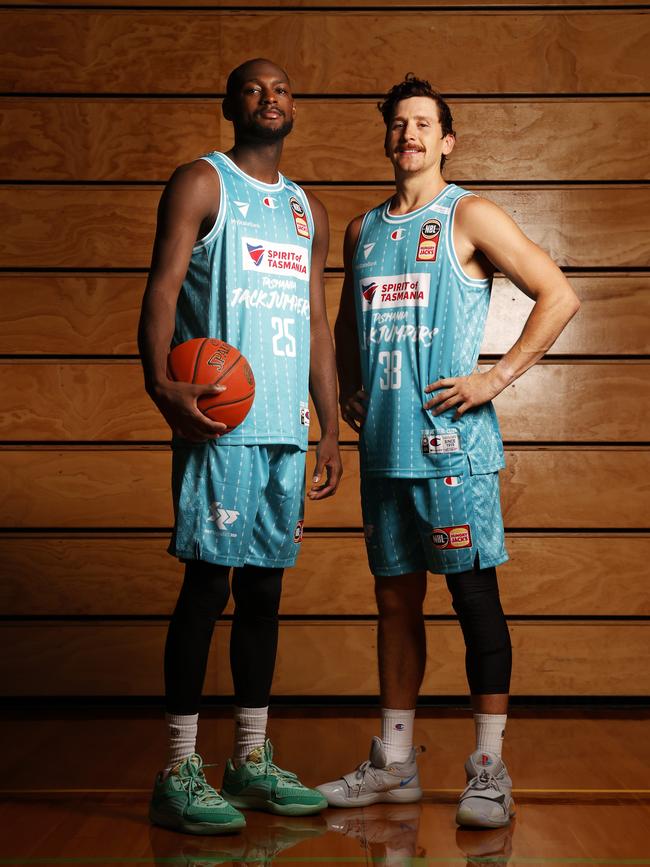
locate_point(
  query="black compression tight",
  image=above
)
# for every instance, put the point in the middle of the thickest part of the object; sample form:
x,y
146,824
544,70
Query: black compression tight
x,y
488,656
254,635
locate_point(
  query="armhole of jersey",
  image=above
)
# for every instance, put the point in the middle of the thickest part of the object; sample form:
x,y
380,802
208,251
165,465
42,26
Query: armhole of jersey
x,y
221,215
364,220
302,195
451,249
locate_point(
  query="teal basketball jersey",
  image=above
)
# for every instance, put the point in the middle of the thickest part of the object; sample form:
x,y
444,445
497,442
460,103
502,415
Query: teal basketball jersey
x,y
420,318
248,284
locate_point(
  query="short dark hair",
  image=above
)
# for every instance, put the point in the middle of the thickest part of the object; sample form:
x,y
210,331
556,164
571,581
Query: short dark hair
x,y
414,86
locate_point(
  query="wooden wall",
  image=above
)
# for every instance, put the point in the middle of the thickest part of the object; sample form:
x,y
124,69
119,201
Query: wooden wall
x,y
98,103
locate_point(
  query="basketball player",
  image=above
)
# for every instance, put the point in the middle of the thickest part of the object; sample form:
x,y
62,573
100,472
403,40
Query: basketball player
x,y
239,255
417,287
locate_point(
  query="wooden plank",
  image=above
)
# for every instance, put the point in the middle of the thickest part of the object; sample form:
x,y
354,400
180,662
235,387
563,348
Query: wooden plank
x,y
90,400
113,227
145,139
321,658
51,574
504,5
114,51
90,314
121,487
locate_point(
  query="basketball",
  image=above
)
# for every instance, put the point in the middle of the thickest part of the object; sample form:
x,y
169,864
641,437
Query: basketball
x,y
206,361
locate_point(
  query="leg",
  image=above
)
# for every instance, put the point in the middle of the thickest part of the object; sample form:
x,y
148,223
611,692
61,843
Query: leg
x,y
203,597
177,802
487,800
488,656
254,636
401,638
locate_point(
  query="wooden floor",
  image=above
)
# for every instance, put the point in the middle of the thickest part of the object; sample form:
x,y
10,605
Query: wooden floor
x,y
75,787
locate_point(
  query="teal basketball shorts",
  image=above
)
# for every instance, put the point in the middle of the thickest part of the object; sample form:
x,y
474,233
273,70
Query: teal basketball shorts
x,y
238,505
435,524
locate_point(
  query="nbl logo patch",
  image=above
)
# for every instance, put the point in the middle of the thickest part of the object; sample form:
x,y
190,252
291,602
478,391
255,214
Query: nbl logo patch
x,y
428,243
297,533
299,217
445,538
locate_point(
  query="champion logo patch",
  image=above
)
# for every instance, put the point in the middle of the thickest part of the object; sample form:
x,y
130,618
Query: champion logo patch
x,y
270,202
453,481
397,235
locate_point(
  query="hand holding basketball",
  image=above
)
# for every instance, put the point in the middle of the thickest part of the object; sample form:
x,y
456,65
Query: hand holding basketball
x,y
223,386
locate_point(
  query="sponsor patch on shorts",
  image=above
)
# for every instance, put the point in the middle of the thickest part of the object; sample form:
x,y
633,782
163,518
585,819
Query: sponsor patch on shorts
x,y
445,538
304,414
440,442
297,533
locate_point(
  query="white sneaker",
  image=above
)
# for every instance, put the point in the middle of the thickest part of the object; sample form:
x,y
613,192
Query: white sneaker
x,y
376,781
487,800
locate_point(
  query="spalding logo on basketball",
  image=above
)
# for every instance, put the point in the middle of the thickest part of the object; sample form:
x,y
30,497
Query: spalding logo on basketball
x,y
206,361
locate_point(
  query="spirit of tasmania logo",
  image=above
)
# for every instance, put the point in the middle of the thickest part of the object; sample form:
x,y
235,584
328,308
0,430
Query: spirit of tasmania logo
x,y
282,260
398,290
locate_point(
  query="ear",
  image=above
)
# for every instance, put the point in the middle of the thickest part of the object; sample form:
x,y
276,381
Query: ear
x,y
448,144
226,109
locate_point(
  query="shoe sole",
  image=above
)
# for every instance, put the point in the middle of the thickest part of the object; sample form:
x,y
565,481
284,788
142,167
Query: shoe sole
x,y
473,821
254,803
199,828
392,796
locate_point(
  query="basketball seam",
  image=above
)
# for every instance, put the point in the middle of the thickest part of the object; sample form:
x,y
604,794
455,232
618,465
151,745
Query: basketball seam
x,y
229,403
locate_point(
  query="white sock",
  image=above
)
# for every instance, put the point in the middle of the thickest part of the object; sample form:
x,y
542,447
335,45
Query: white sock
x,y
250,731
397,733
182,738
490,730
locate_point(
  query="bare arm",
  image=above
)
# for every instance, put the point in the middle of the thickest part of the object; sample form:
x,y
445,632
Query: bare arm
x,y
484,227
188,207
322,368
352,397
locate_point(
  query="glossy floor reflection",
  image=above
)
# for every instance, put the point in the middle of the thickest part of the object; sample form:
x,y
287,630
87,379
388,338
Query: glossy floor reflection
x,y
76,790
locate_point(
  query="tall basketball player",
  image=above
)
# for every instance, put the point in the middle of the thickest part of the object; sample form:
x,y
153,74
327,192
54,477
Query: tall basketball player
x,y
417,287
239,255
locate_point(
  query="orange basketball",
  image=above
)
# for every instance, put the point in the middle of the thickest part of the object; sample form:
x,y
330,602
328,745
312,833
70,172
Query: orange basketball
x,y
205,361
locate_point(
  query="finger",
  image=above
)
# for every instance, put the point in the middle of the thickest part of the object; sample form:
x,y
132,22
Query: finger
x,y
444,395
318,472
325,490
439,383
448,404
358,410
462,409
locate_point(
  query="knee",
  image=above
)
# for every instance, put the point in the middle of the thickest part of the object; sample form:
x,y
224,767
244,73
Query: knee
x,y
397,599
205,589
257,592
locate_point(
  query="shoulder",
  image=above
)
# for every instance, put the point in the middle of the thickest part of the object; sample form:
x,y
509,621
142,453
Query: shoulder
x,y
317,207
353,229
194,177
475,215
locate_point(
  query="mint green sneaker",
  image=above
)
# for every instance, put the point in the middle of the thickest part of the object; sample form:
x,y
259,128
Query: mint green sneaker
x,y
186,802
260,785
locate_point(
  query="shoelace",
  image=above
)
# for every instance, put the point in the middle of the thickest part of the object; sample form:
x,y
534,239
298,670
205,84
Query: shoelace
x,y
192,779
483,781
268,767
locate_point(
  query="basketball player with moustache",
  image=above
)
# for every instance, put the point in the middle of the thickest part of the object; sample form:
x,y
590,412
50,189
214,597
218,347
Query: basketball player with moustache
x,y
418,275
239,256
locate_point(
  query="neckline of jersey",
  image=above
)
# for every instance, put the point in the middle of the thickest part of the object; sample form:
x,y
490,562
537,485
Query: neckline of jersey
x,y
261,185
402,218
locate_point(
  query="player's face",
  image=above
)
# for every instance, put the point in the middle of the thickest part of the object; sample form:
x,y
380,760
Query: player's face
x,y
414,139
264,106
